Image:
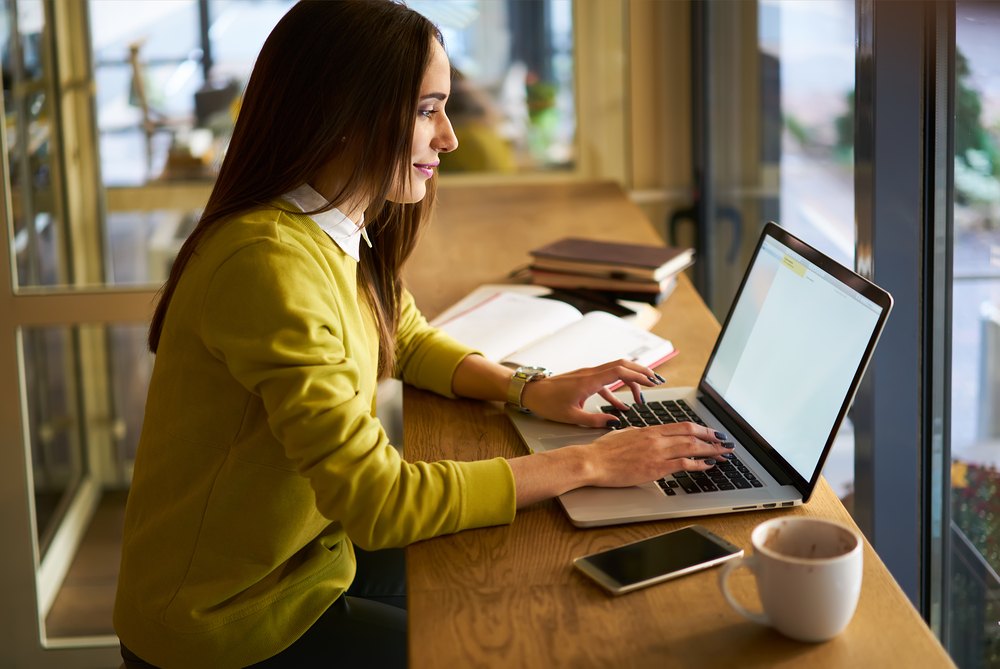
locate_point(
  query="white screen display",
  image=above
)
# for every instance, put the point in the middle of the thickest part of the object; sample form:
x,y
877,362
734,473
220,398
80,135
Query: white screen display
x,y
791,348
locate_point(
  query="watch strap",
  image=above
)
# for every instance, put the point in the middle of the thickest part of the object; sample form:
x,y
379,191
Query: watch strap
x,y
516,388
523,376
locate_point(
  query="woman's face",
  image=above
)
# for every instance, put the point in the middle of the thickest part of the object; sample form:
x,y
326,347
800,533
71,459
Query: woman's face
x,y
432,131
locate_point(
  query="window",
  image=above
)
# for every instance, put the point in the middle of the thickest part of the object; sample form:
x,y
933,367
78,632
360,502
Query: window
x,y
778,100
807,61
168,75
974,606
92,231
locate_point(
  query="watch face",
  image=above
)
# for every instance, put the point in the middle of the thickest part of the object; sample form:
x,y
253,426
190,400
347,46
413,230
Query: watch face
x,y
532,372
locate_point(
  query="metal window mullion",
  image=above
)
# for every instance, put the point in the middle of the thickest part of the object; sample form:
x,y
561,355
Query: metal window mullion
x,y
701,147
204,26
902,191
940,150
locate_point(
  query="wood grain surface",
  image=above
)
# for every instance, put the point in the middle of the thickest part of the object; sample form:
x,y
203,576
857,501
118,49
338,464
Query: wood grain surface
x,y
508,596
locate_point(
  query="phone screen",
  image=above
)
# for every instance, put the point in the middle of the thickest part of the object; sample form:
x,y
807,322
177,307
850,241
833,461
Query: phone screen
x,y
660,556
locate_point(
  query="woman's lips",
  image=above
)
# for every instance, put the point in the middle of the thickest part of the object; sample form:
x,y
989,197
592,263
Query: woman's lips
x,y
427,169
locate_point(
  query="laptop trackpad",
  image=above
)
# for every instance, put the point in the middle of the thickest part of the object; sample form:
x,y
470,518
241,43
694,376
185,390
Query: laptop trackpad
x,y
552,443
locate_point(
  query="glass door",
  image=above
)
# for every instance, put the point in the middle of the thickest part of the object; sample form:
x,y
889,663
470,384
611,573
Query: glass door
x,y
61,424
773,92
116,114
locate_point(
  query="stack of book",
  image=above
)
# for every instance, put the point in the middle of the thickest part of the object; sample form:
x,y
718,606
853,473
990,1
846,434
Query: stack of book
x,y
640,272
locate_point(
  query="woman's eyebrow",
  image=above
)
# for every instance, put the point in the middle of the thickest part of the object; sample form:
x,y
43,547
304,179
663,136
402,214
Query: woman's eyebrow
x,y
435,96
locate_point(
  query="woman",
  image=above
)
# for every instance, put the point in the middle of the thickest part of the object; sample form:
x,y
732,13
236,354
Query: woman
x,y
261,464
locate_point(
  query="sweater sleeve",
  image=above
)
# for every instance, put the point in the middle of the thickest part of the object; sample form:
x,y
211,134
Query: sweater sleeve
x,y
426,356
270,314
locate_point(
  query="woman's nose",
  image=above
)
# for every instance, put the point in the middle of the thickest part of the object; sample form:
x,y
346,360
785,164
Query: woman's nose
x,y
445,140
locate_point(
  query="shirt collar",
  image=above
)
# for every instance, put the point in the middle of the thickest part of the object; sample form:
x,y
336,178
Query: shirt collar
x,y
343,231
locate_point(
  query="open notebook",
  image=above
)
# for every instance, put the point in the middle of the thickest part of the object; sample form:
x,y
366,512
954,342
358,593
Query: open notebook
x,y
515,327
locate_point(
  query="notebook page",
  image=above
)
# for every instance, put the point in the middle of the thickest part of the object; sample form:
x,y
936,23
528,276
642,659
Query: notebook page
x,y
595,339
506,322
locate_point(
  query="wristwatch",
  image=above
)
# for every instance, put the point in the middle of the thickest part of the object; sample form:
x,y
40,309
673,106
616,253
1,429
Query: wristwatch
x,y
522,377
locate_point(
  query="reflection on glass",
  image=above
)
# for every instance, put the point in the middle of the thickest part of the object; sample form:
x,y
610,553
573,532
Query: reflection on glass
x,y
54,429
168,80
778,90
807,95
514,108
813,44
131,365
32,148
974,606
147,68
73,439
141,245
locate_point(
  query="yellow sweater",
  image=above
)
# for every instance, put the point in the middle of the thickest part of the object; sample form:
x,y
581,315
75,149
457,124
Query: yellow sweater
x,y
261,460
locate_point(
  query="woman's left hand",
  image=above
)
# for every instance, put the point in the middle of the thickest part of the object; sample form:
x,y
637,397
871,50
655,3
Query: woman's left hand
x,y
561,397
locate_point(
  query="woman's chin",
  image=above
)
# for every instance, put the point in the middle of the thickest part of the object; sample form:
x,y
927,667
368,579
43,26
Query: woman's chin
x,y
415,193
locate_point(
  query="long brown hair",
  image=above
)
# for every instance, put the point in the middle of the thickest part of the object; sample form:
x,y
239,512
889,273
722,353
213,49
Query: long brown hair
x,y
334,81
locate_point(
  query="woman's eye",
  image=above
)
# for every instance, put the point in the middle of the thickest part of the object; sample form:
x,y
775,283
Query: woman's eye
x,y
427,112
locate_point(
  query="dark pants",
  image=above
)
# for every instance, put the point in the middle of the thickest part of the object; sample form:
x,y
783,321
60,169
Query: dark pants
x,y
366,627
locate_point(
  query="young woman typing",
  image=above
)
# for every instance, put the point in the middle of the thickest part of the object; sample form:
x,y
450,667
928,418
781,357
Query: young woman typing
x,y
262,466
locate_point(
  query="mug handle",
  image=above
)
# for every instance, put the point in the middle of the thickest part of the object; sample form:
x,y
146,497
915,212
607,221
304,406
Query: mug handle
x,y
750,563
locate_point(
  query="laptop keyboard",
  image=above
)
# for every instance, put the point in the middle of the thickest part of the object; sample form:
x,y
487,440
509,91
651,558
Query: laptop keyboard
x,y
655,413
727,474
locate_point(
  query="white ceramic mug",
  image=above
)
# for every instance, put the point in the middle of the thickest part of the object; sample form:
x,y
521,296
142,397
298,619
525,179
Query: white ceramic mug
x,y
808,573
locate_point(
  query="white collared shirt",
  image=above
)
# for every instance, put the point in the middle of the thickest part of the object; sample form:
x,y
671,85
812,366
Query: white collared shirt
x,y
343,231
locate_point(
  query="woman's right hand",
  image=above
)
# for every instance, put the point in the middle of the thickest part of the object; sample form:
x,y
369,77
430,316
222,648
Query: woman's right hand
x,y
633,456
622,458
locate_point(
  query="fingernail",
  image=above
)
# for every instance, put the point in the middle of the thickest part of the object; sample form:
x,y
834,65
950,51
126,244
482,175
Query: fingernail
x,y
660,378
727,456
642,398
722,436
614,424
710,463
651,379
728,444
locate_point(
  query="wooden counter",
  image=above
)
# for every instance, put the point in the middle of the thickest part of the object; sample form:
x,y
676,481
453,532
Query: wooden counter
x,y
508,596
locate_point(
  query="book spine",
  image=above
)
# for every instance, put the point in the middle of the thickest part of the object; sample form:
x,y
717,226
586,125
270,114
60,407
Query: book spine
x,y
595,269
583,281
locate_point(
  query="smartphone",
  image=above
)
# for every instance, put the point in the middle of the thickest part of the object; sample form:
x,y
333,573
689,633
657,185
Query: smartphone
x,y
655,559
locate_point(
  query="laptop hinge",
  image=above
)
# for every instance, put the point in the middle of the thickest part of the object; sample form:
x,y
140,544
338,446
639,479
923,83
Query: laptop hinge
x,y
747,441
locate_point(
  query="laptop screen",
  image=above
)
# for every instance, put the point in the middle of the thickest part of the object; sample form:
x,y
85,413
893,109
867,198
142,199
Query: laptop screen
x,y
796,338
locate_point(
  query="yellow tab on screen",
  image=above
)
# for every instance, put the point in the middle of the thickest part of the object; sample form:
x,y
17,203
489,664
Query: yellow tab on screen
x,y
794,265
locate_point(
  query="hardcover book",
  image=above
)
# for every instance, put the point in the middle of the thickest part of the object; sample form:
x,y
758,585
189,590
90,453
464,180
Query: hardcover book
x,y
612,259
590,282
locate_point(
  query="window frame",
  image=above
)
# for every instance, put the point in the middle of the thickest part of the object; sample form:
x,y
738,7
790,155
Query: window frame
x,y
904,196
30,582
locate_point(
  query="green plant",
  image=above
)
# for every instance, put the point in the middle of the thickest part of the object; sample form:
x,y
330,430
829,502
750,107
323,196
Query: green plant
x,y
975,607
797,130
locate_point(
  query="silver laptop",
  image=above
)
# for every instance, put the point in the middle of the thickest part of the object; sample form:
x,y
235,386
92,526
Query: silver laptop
x,y
782,376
